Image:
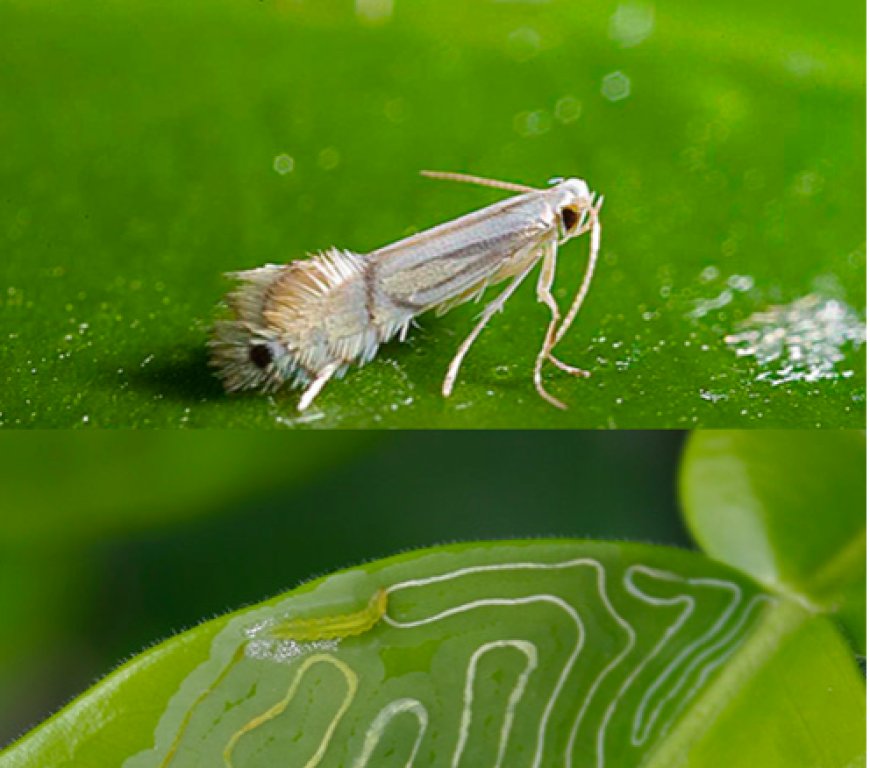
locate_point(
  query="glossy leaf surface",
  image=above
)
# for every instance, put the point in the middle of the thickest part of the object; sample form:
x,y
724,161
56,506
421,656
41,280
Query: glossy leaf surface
x,y
727,139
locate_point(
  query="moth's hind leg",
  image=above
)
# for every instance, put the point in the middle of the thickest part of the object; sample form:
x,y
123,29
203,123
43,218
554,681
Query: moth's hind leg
x,y
313,389
496,305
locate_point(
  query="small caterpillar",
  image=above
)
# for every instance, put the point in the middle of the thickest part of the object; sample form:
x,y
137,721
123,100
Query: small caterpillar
x,y
332,627
293,630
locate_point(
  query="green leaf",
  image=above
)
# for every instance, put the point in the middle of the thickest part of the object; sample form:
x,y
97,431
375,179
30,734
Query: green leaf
x,y
787,508
554,652
731,171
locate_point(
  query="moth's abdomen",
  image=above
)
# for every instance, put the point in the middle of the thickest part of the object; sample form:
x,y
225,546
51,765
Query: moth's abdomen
x,y
292,322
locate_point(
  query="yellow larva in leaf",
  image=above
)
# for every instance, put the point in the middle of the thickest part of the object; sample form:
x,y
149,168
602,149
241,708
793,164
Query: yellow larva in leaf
x,y
332,627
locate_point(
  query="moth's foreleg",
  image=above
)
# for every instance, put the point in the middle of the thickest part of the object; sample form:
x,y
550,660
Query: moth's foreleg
x,y
545,296
594,228
563,366
494,306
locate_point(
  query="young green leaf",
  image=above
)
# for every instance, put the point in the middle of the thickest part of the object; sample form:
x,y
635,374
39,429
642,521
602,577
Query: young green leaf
x,y
787,508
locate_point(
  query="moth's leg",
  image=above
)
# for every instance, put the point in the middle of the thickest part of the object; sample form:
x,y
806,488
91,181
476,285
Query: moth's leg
x,y
563,366
496,305
594,228
551,302
594,245
545,296
313,389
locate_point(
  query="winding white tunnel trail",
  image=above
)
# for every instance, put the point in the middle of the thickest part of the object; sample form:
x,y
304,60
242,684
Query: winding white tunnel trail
x,y
672,668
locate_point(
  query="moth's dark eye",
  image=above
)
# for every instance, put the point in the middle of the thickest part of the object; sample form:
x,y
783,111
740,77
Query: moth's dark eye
x,y
260,355
570,217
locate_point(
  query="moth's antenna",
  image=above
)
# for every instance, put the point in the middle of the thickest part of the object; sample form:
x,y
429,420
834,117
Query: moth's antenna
x,y
479,180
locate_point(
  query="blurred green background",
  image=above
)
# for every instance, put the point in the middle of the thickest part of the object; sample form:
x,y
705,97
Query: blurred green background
x,y
150,147
112,541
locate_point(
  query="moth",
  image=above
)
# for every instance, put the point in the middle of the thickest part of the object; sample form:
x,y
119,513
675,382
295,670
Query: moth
x,y
308,321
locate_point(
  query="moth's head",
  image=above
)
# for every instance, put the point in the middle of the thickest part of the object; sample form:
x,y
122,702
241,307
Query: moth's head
x,y
573,202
